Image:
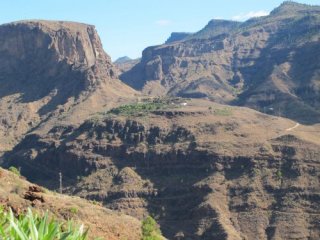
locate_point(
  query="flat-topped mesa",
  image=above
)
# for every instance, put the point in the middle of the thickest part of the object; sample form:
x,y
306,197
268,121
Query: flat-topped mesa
x,y
49,69
46,42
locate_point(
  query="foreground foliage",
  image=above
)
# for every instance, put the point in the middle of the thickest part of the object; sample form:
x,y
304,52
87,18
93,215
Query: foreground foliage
x,y
150,230
34,227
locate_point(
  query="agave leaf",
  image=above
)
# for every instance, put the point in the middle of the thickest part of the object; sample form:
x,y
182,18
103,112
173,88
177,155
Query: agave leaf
x,y
16,228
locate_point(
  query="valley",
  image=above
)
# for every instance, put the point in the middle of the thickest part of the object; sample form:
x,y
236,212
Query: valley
x,y
215,134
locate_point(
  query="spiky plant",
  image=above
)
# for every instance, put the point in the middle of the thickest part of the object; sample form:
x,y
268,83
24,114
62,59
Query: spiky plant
x,y
34,227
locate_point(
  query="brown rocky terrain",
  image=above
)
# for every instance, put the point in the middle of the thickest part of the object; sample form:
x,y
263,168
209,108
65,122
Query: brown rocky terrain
x,y
204,170
269,63
18,194
49,72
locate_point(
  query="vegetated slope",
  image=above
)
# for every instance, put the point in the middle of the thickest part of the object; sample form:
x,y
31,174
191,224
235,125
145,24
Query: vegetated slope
x,y
269,63
204,170
18,194
51,70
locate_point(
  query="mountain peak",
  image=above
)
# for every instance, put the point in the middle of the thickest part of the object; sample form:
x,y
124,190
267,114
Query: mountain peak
x,y
292,7
216,27
122,59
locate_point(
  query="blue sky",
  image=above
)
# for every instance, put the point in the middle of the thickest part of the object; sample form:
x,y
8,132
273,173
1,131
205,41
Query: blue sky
x,y
126,27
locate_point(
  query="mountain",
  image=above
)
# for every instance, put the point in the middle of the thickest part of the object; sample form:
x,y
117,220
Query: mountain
x,y
122,60
52,71
268,63
215,28
203,170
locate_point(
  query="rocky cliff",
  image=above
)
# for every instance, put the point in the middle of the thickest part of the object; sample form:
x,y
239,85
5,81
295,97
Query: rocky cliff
x,y
46,69
268,63
205,171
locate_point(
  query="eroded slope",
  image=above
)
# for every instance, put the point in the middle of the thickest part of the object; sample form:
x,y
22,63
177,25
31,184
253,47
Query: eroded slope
x,y
203,170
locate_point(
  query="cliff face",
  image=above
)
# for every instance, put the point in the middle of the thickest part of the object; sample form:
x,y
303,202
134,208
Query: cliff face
x,y
47,68
205,171
45,44
264,63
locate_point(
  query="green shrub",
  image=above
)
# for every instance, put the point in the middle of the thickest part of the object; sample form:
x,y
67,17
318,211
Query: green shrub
x,y
150,230
279,174
34,227
14,170
74,210
136,108
147,106
223,112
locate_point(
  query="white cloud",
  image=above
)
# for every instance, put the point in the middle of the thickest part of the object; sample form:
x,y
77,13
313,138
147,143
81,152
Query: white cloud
x,y
163,22
245,16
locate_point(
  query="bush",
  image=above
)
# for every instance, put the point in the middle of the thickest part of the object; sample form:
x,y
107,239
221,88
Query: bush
x,y
74,210
137,108
14,170
223,112
34,227
150,230
279,174
147,106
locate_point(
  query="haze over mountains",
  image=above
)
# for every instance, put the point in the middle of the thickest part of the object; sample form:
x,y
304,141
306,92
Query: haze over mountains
x,y
178,136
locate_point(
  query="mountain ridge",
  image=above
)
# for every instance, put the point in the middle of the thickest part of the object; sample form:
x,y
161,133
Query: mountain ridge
x,y
225,67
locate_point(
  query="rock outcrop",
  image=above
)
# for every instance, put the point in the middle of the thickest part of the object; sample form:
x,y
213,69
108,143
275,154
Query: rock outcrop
x,y
268,63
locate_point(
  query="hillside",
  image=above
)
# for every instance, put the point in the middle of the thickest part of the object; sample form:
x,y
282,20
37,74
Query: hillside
x,y
269,63
204,170
18,194
49,72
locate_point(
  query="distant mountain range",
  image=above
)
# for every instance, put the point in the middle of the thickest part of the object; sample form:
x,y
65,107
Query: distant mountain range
x,y
268,63
122,60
